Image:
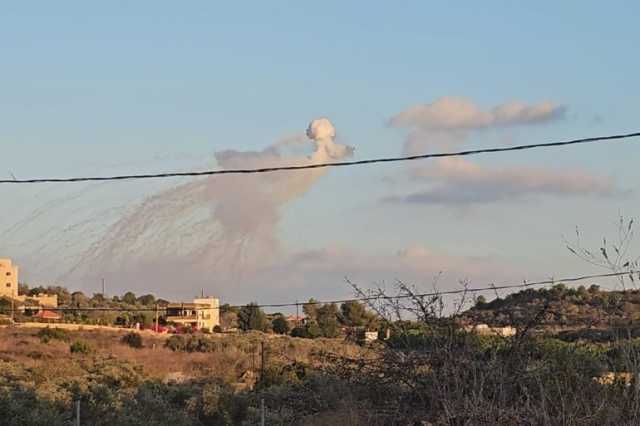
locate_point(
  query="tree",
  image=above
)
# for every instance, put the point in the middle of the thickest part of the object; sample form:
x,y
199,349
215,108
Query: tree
x,y
310,309
98,299
79,299
280,324
327,319
353,314
147,300
229,319
64,297
228,308
143,318
251,317
583,293
129,298
36,291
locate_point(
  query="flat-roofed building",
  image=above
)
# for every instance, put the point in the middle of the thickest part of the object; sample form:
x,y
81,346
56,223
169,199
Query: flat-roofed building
x,y
203,313
8,279
23,302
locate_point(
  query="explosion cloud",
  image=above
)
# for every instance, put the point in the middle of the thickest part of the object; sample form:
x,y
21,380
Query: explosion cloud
x,y
224,224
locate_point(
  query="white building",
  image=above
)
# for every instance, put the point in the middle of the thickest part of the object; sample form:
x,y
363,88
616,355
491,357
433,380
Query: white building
x,y
8,279
203,313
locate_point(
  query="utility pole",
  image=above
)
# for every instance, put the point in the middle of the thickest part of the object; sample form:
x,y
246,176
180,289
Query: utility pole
x,y
156,317
103,290
253,359
78,413
262,412
297,313
262,362
12,311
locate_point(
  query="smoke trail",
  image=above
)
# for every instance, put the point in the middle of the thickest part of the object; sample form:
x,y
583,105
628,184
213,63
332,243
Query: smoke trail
x,y
219,223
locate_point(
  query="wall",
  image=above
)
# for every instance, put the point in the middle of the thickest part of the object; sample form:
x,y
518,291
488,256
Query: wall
x,y
208,317
8,278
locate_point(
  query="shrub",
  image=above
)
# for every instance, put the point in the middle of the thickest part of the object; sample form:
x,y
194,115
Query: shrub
x,y
175,343
280,325
132,339
309,331
46,334
313,330
191,343
217,329
80,347
299,331
199,344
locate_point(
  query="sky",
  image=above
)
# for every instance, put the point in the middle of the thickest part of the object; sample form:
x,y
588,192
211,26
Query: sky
x,y
137,87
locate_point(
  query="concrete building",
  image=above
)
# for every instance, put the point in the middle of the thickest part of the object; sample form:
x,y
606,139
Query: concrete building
x,y
8,279
486,330
202,314
9,288
43,299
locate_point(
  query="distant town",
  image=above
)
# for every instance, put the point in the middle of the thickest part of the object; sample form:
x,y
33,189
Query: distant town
x,y
40,306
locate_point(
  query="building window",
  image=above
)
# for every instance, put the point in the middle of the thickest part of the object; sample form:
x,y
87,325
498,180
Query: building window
x,y
8,274
8,285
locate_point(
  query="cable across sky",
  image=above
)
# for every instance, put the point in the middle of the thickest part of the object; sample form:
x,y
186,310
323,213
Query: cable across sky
x,y
323,165
491,287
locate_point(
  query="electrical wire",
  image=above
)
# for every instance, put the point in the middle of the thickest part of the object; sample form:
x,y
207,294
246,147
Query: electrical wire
x,y
323,165
492,287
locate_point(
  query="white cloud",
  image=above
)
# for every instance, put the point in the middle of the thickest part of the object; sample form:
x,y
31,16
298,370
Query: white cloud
x,y
458,181
447,123
452,113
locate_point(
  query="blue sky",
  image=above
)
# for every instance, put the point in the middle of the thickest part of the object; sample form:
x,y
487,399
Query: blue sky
x,y
151,86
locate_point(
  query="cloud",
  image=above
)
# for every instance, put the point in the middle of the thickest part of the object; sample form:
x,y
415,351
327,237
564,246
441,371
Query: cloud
x,y
518,113
447,123
452,113
458,181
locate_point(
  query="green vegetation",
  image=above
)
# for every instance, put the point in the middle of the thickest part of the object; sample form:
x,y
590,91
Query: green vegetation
x,y
563,306
280,325
203,381
133,340
191,343
119,317
46,334
427,371
80,347
251,317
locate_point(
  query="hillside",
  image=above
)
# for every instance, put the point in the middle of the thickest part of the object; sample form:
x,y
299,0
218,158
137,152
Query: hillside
x,y
559,306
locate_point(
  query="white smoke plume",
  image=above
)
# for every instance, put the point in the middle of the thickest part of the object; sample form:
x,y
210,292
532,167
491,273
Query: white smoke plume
x,y
216,225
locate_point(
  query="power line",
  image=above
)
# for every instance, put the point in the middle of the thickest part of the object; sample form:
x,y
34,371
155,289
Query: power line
x,y
323,165
491,287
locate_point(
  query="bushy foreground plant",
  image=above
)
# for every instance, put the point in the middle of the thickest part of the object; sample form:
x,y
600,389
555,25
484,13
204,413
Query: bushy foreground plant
x,y
191,343
47,334
133,340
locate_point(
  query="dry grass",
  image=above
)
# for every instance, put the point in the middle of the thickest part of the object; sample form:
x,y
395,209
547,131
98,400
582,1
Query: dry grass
x,y
235,355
